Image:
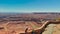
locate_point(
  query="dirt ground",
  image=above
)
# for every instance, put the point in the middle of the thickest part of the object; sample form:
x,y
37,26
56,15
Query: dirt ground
x,y
52,29
56,29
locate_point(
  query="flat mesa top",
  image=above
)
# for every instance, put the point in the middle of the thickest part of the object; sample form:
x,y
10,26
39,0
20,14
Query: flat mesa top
x,y
52,29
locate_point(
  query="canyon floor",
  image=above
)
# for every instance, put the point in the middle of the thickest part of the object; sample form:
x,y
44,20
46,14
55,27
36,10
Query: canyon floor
x,y
16,28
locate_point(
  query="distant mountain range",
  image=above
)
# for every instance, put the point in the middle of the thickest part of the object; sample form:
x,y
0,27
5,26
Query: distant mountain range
x,y
46,13
34,13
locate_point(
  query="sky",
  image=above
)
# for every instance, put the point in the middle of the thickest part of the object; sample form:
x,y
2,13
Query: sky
x,y
29,6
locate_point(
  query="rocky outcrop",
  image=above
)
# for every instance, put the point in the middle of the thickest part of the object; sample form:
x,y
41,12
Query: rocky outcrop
x,y
41,29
